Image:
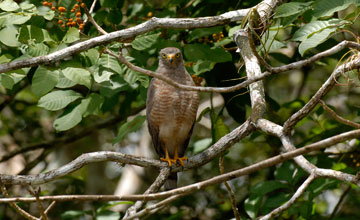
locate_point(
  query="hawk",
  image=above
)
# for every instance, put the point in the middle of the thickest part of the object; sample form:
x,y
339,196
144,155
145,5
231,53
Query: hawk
x,y
171,112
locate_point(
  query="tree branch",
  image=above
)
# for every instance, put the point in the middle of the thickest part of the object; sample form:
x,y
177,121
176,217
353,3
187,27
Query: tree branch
x,y
324,89
293,199
338,117
214,180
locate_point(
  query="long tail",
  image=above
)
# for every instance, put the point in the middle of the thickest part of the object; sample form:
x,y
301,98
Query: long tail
x,y
171,182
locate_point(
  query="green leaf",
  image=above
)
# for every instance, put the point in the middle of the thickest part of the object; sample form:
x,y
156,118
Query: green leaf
x,y
78,75
108,215
9,5
201,145
265,187
220,129
71,117
129,127
203,66
252,205
310,29
144,42
72,214
30,34
12,18
71,35
64,82
328,7
58,99
339,166
36,50
201,32
8,80
110,63
93,104
292,8
46,13
195,52
234,29
315,40
44,80
9,36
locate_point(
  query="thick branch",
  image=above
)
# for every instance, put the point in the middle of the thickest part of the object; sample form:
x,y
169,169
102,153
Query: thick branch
x,y
128,34
257,94
204,157
215,180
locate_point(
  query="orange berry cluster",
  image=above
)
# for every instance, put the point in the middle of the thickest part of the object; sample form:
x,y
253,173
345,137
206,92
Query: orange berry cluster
x,y
213,38
354,160
73,20
197,80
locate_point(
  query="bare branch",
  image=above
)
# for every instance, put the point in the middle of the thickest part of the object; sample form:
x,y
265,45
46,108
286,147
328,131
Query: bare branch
x,y
15,206
293,199
128,34
154,207
49,208
325,88
257,94
155,187
338,117
228,188
218,179
36,193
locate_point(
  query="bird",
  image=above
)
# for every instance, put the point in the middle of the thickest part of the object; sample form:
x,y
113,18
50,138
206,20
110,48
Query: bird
x,y
171,112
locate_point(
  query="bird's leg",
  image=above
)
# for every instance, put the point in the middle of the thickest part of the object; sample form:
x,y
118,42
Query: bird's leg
x,y
167,158
176,157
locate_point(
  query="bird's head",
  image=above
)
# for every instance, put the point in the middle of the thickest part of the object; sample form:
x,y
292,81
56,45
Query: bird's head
x,y
171,56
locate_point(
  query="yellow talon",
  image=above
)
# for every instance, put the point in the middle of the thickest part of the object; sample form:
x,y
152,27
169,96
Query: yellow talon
x,y
169,160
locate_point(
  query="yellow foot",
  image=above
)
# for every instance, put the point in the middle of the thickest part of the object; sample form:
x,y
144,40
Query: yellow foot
x,y
177,158
169,160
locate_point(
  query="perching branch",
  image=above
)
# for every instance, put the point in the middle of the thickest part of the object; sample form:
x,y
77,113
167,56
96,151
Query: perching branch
x,y
214,180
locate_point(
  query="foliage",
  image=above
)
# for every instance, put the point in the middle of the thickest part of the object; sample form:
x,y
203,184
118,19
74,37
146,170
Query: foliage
x,y
90,86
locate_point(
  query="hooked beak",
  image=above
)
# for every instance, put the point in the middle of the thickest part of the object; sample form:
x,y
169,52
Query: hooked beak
x,y
171,58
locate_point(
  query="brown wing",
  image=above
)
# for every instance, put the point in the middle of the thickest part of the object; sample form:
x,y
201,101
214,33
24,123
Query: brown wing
x,y
153,127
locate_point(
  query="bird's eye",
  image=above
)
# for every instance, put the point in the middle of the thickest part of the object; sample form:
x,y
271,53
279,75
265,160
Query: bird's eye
x,y
163,55
177,55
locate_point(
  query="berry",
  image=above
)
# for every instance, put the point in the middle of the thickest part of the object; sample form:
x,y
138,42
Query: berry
x,y
53,8
45,3
76,6
78,14
62,9
82,5
60,22
49,4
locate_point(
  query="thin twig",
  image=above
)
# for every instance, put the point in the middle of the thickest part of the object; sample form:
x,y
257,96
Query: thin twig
x,y
15,206
53,203
293,199
154,207
155,186
231,193
338,204
90,11
36,193
338,117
